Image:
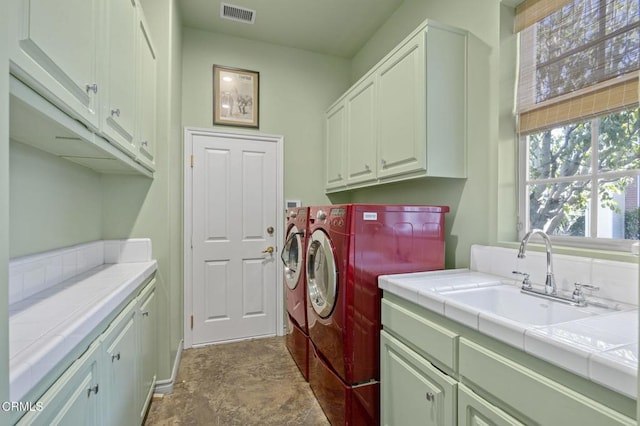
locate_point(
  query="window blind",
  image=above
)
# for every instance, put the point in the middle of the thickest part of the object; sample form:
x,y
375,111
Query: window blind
x,y
578,59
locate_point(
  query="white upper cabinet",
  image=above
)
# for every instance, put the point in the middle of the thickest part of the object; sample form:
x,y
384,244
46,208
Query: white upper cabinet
x,y
94,60
147,80
407,117
54,49
335,161
119,100
361,132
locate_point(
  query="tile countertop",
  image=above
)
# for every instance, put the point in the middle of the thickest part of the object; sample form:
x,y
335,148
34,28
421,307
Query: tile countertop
x,y
45,328
602,348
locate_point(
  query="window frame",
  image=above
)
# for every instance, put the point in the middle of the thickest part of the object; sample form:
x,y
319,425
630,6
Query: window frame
x,y
594,176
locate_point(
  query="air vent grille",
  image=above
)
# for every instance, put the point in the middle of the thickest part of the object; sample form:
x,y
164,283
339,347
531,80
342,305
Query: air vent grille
x,y
236,13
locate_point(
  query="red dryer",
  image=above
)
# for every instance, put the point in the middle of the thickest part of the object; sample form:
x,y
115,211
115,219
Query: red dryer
x,y
348,247
293,257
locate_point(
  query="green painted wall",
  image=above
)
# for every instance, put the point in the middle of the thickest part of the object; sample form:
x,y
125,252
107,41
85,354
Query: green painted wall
x,y
296,87
472,218
53,202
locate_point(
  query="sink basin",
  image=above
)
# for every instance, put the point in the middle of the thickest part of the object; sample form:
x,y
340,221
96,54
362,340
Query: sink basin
x,y
507,301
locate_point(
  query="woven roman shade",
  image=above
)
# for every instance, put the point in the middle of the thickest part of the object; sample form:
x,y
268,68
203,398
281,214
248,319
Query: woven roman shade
x,y
578,59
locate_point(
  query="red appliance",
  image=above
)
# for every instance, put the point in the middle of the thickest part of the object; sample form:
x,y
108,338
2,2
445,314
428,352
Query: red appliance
x,y
348,247
293,257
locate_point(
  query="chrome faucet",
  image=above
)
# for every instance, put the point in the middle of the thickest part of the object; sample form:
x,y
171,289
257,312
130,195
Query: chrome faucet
x,y
550,283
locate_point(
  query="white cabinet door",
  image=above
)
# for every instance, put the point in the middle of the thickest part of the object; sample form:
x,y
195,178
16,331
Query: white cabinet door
x,y
120,353
402,110
147,320
74,399
54,47
412,391
119,102
147,96
361,132
335,147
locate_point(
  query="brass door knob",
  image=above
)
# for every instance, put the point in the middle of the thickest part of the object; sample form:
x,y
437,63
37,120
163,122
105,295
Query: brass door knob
x,y
269,250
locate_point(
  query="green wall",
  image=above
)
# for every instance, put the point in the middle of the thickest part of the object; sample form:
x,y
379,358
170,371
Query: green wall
x,y
472,218
296,87
53,202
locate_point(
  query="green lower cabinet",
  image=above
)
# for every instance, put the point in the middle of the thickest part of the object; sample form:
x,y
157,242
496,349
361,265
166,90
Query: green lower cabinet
x,y
413,391
111,384
75,398
119,358
475,411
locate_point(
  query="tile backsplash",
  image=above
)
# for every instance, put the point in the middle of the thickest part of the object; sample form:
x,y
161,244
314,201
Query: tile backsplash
x,y
31,274
617,280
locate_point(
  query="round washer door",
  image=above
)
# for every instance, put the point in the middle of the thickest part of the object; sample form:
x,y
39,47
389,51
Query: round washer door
x,y
292,257
322,279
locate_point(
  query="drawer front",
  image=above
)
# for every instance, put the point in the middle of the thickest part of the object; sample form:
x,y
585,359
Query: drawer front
x,y
433,341
538,398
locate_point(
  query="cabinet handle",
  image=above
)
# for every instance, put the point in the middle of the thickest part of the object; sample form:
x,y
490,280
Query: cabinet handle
x,y
92,88
145,314
115,357
383,163
144,143
339,176
430,396
93,389
116,112
366,167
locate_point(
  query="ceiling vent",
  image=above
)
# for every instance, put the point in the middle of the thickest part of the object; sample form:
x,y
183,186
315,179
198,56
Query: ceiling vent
x,y
236,13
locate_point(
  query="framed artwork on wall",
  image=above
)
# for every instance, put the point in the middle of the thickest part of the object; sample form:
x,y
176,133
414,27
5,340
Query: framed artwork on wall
x,y
235,97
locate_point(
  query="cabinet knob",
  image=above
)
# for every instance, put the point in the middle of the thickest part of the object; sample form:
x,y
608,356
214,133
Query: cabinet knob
x,y
116,112
430,396
366,167
383,163
93,389
92,88
339,176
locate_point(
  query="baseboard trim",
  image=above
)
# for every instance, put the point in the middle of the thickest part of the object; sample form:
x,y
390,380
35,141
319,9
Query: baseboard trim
x,y
165,387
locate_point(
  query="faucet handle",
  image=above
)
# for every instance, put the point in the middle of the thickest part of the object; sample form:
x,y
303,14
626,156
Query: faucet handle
x,y
578,295
526,283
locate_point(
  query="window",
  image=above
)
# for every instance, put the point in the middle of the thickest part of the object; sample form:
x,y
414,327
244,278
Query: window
x,y
578,120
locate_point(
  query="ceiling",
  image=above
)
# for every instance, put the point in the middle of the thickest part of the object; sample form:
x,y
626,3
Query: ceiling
x,y
334,27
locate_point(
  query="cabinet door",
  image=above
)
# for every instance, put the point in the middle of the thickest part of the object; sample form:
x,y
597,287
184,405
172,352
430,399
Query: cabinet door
x,y
413,392
361,132
120,352
335,152
402,111
74,397
147,96
119,103
147,333
54,50
475,411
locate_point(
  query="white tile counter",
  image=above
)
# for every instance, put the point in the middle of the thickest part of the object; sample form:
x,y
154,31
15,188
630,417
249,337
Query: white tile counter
x,y
602,347
76,289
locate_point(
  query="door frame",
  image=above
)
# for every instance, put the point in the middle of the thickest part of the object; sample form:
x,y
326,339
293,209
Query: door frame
x,y
188,220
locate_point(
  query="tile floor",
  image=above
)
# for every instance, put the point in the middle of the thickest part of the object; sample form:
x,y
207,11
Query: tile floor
x,y
246,383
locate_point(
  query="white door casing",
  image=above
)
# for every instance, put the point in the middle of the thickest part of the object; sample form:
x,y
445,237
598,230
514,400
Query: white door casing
x,y
233,195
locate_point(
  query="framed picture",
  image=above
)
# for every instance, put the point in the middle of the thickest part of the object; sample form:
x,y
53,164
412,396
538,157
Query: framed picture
x,y
235,97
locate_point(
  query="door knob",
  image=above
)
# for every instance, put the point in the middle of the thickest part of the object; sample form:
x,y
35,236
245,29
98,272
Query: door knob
x,y
269,250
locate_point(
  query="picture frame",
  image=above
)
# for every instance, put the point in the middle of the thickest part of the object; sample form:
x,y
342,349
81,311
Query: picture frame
x,y
236,97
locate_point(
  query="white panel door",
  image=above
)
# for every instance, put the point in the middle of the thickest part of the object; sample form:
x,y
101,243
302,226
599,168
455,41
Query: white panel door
x,y
234,226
